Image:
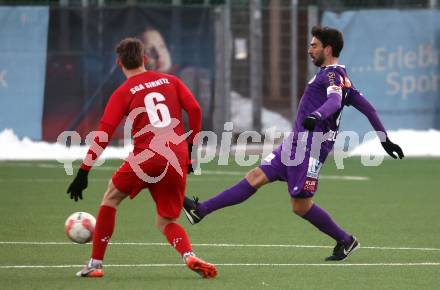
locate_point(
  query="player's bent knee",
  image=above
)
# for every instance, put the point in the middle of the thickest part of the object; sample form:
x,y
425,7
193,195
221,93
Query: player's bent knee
x,y
256,177
299,211
162,222
112,197
301,206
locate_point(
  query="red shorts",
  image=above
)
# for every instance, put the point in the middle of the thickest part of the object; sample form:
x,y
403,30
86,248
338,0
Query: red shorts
x,y
168,192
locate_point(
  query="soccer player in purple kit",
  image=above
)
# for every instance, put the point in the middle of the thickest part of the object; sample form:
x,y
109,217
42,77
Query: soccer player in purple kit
x,y
319,113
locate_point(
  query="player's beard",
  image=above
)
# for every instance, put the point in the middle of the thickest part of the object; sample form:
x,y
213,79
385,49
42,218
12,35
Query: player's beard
x,y
319,60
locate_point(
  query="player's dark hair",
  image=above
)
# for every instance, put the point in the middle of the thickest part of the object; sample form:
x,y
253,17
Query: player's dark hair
x,y
130,52
329,36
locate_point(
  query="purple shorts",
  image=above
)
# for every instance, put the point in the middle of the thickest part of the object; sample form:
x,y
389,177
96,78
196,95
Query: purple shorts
x,y
302,178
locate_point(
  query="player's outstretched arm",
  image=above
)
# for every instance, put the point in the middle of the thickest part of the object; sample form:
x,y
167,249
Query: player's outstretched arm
x,y
113,114
79,184
363,106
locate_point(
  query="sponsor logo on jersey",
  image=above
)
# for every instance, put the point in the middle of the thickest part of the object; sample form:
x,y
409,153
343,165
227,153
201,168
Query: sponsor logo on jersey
x,y
331,78
149,85
310,185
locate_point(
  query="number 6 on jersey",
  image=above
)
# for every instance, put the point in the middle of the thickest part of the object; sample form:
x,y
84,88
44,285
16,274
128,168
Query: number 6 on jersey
x,y
154,107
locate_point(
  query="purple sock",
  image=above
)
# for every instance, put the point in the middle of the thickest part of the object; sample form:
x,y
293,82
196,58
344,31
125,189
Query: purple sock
x,y
322,220
234,195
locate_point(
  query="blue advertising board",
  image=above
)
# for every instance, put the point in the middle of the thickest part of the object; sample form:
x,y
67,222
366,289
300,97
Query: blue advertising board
x,y
23,48
393,58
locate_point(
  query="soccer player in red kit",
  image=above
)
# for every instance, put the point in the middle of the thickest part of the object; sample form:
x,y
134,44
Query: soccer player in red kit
x,y
153,102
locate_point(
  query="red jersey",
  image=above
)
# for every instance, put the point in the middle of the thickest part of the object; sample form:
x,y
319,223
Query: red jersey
x,y
153,102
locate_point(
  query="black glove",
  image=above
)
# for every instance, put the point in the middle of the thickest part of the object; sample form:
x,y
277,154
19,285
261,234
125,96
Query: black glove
x,y
190,166
78,184
309,122
390,148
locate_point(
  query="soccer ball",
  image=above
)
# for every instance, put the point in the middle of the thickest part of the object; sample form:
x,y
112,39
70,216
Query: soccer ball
x,y
79,227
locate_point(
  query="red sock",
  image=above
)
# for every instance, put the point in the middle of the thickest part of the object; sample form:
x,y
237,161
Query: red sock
x,y
105,224
178,238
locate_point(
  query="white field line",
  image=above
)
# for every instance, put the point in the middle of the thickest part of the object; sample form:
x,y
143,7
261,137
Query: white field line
x,y
344,177
50,165
423,264
207,172
63,180
204,172
202,177
221,245
191,178
70,178
334,177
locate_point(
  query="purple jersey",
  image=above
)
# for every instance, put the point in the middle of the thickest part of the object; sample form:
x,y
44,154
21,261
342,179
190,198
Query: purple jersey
x,y
324,97
330,81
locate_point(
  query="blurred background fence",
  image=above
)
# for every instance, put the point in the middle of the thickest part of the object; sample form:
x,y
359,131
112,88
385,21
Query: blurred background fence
x,y
245,61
